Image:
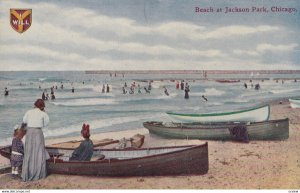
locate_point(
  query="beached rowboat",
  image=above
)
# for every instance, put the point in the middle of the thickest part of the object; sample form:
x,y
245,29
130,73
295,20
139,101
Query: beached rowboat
x,y
256,114
158,161
295,103
266,130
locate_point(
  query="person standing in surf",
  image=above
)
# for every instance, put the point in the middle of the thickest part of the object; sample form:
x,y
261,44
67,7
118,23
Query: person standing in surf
x,y
107,88
182,85
177,85
6,92
186,90
103,88
35,154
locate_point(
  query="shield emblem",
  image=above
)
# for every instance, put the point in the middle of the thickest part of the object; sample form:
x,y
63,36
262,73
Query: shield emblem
x,y
20,19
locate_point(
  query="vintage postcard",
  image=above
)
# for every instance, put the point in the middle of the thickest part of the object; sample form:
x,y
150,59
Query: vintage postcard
x,y
150,94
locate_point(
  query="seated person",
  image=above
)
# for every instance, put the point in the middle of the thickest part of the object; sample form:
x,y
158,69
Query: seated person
x,y
85,151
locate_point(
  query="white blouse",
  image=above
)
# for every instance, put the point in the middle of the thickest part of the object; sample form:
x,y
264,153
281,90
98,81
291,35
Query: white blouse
x,y
36,118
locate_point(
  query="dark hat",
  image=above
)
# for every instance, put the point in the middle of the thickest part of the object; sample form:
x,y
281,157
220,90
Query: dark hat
x,y
85,131
39,103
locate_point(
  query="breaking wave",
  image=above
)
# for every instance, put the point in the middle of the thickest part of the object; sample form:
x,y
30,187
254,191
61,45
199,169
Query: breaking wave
x,y
96,124
86,102
209,92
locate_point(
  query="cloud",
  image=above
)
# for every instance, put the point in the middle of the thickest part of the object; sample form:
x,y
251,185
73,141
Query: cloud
x,y
263,48
30,50
245,52
64,37
235,30
276,48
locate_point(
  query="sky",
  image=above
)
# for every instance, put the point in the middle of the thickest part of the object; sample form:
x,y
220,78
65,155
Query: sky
x,y
151,35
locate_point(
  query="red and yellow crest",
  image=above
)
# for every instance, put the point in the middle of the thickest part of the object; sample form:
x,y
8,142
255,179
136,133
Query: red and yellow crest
x,y
20,19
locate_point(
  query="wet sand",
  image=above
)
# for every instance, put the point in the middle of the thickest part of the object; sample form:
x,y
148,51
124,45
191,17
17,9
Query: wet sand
x,y
232,165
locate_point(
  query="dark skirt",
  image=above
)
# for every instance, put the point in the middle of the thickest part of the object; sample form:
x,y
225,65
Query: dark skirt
x,y
35,156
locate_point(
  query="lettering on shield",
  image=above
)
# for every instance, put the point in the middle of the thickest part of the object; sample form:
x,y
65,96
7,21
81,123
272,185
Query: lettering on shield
x,y
20,19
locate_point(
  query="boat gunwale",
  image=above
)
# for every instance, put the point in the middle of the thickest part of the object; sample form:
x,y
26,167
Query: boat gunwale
x,y
219,123
188,147
128,149
221,114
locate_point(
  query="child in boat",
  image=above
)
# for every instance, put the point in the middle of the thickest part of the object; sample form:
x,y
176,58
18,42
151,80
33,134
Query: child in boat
x,y
17,148
85,150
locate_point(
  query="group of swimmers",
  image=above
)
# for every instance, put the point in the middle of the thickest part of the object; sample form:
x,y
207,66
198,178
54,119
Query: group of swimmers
x,y
133,86
183,86
256,86
107,88
45,95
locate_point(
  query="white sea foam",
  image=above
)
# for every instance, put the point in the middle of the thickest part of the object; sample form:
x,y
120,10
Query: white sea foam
x,y
97,124
209,92
208,104
240,100
215,104
138,97
6,141
279,91
42,79
163,96
94,124
86,102
98,88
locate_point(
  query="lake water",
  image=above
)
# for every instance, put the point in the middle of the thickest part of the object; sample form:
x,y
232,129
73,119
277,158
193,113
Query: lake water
x,y
115,111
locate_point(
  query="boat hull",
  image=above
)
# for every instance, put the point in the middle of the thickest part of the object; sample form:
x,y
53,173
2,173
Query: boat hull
x,y
189,160
267,130
250,115
295,103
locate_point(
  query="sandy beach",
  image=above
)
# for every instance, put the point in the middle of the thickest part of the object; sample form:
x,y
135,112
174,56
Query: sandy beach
x,y
232,165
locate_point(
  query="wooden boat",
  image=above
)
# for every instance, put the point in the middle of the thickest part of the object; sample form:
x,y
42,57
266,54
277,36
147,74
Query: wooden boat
x,y
295,103
158,161
5,169
256,114
75,143
266,130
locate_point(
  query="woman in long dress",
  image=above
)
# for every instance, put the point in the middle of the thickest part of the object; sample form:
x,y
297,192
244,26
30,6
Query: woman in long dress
x,y
35,154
